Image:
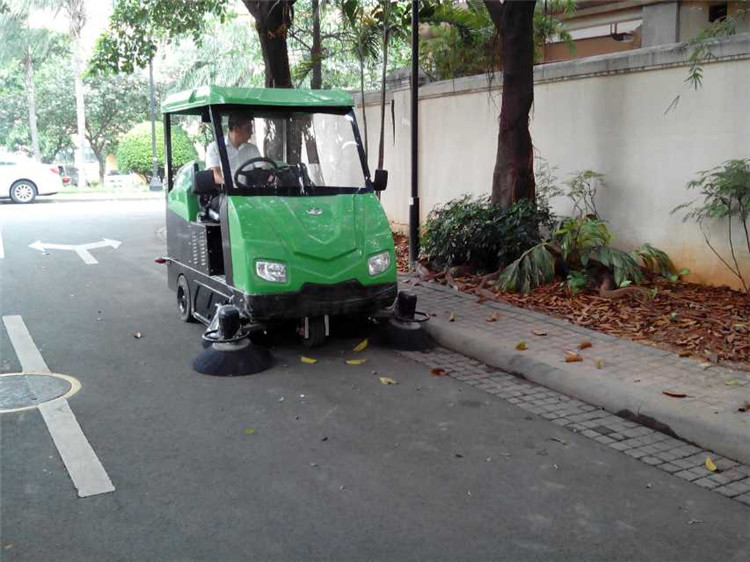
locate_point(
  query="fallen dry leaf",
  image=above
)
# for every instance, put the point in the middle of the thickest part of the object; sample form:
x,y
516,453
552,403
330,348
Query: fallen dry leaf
x,y
521,346
674,394
308,360
437,372
387,380
356,361
710,464
599,363
361,346
493,317
732,382
585,344
539,332
744,408
452,317
572,357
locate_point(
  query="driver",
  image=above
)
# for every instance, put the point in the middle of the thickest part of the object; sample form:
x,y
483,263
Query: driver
x,y
239,150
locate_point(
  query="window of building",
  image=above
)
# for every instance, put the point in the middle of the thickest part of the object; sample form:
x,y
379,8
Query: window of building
x,y
717,12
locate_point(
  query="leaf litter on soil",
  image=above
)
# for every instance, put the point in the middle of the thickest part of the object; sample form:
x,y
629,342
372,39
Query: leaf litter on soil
x,y
708,323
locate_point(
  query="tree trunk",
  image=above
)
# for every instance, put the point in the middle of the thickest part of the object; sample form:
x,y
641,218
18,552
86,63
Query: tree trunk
x,y
381,145
513,177
80,155
272,19
77,14
31,98
102,159
316,82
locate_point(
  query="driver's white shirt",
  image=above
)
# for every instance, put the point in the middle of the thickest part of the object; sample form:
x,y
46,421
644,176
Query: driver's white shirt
x,y
236,156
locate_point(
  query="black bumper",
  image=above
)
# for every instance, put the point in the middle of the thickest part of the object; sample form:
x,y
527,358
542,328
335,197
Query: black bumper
x,y
349,297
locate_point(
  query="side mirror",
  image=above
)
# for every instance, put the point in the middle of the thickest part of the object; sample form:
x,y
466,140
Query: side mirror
x,y
204,183
381,180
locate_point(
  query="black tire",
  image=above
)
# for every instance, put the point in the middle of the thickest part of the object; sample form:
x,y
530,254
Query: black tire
x,y
184,300
317,333
23,192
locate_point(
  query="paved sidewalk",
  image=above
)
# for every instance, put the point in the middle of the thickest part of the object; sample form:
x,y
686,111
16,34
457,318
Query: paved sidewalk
x,y
629,381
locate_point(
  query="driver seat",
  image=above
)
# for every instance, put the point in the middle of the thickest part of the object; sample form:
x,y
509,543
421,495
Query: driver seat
x,y
209,196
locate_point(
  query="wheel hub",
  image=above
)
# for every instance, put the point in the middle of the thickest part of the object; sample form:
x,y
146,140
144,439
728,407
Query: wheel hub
x,y
24,192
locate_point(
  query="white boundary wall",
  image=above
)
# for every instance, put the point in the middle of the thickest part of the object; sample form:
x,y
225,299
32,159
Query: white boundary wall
x,y
605,113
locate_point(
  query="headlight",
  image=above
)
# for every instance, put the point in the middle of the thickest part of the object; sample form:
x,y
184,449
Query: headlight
x,y
271,271
379,263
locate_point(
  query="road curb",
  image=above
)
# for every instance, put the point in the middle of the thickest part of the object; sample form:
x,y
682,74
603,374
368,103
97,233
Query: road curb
x,y
720,432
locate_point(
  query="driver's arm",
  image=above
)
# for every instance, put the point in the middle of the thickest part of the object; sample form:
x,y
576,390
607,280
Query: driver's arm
x,y
218,176
213,162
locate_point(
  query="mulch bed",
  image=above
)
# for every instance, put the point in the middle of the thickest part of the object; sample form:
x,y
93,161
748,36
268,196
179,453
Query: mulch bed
x,y
707,323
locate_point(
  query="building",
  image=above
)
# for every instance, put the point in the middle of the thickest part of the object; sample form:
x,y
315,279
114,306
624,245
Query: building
x,y
609,26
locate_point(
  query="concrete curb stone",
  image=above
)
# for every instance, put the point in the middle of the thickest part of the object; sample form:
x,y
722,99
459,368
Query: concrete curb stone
x,y
694,421
719,432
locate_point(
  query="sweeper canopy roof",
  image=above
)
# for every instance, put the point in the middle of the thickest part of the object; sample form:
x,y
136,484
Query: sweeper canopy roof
x,y
194,101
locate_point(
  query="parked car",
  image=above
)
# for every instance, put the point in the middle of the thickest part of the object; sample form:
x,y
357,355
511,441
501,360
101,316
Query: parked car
x,y
69,174
22,179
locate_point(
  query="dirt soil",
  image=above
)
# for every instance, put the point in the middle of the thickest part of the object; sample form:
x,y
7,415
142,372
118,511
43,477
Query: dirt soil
x,y
706,323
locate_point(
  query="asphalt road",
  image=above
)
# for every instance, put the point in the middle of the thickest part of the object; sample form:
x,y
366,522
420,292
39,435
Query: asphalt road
x,y
301,462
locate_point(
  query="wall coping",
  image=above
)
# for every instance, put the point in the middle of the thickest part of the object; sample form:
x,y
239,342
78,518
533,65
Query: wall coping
x,y
638,60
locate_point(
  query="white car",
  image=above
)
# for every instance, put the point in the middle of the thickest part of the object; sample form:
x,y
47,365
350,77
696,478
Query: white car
x,y
22,179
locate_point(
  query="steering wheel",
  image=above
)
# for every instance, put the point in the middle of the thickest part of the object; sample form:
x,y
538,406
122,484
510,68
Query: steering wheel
x,y
255,175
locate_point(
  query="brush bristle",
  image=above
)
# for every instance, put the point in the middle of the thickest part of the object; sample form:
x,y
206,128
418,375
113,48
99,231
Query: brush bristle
x,y
404,336
224,361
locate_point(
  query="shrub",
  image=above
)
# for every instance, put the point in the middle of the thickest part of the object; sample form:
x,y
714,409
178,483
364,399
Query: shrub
x,y
475,232
726,197
134,150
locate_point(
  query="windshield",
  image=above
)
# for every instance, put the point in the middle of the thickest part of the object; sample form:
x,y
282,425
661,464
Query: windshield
x,y
290,153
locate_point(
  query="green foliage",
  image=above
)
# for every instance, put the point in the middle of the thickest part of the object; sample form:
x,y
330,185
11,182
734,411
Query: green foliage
x,y
229,55
137,26
700,47
656,261
536,266
578,237
577,281
623,265
548,28
475,232
55,103
582,190
725,192
458,42
134,151
583,244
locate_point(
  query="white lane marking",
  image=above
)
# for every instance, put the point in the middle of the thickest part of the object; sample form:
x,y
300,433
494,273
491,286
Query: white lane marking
x,y
2,249
85,469
81,249
26,350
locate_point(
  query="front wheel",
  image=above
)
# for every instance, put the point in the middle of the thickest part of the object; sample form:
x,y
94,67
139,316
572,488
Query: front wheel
x,y
23,191
184,300
316,333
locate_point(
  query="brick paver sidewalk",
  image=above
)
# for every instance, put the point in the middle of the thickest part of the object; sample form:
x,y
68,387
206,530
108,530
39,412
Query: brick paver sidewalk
x,y
712,389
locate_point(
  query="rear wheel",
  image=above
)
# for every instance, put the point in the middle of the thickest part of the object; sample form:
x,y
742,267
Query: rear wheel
x,y
23,191
184,300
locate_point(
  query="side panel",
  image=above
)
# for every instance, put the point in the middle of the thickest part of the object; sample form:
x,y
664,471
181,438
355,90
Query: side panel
x,y
180,199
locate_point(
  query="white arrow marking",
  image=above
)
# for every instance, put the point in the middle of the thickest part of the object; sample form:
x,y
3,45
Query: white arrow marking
x,y
84,467
81,249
